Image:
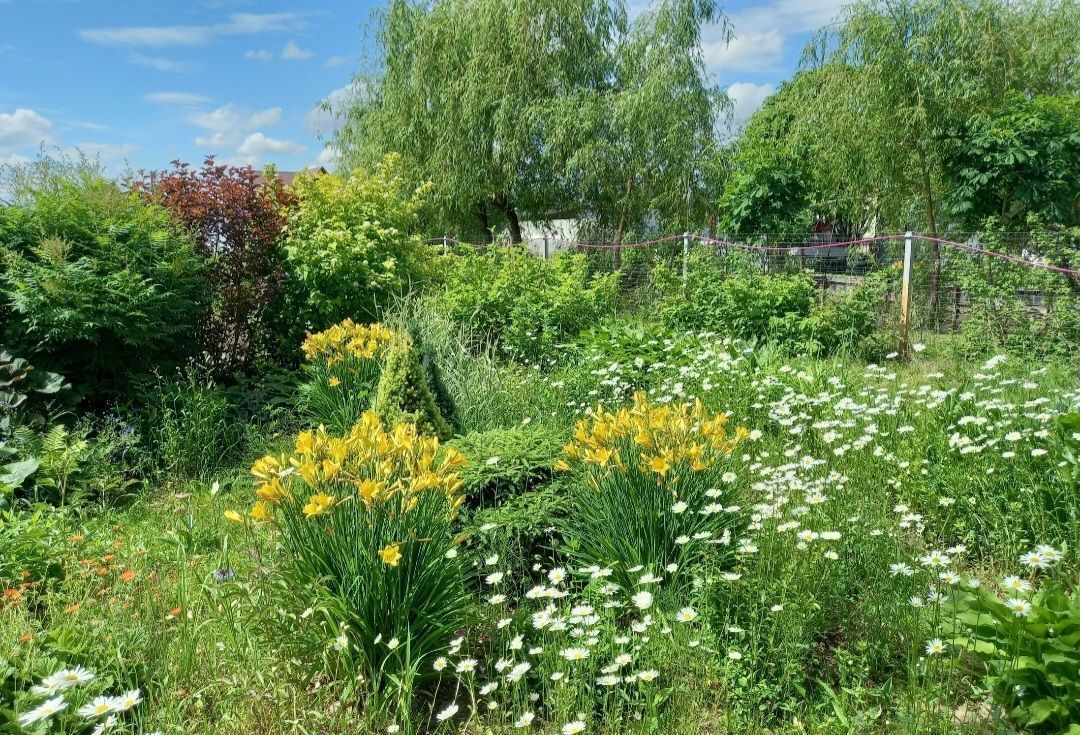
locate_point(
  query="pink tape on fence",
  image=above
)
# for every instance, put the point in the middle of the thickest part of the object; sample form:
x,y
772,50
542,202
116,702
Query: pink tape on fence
x,y
793,248
974,249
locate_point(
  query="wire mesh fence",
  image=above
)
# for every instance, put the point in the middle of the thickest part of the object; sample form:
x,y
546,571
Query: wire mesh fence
x,y
1018,291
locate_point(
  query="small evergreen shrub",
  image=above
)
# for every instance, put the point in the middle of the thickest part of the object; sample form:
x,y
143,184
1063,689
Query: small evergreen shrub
x,y
403,394
507,462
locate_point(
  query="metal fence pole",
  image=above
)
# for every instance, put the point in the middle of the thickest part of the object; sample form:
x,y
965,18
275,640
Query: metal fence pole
x,y
905,299
545,247
445,245
685,257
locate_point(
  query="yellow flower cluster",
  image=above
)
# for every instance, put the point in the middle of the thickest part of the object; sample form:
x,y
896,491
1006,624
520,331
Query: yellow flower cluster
x,y
344,339
370,465
654,438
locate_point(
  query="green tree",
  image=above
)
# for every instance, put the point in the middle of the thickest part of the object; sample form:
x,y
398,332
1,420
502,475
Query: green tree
x,y
896,76
1020,159
520,109
644,151
767,192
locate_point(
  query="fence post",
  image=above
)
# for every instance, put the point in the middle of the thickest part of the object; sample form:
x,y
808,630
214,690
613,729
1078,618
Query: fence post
x,y
685,257
905,299
545,247
445,245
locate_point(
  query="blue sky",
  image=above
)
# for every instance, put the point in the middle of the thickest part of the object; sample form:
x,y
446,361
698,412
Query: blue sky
x,y
139,83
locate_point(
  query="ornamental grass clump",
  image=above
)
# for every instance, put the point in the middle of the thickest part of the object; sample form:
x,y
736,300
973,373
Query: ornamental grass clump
x,y
654,482
365,520
343,366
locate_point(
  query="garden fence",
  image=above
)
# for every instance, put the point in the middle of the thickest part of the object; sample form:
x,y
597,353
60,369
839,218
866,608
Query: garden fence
x,y
1021,291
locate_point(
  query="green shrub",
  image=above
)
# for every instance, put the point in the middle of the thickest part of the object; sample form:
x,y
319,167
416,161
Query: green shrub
x,y
403,394
501,463
190,425
102,286
737,299
843,321
525,306
343,367
31,546
351,246
521,528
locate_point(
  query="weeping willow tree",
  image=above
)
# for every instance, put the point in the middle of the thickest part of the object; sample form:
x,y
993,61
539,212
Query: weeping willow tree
x,y
893,78
523,108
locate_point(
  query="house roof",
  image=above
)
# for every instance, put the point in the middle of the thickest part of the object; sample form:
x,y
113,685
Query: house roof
x,y
286,177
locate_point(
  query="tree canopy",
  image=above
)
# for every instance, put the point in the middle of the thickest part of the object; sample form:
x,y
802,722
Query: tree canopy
x,y
526,109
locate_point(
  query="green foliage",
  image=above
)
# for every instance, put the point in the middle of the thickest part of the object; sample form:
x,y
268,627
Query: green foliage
x,y
103,286
19,382
883,87
403,394
190,425
845,320
1016,308
767,192
525,306
351,246
30,543
522,527
1019,159
482,391
746,303
501,463
576,110
1031,658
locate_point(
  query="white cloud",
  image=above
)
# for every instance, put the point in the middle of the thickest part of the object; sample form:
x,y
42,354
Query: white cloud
x,y
322,121
334,61
162,36
260,55
155,36
23,128
84,124
240,23
761,32
292,52
229,125
186,99
160,63
754,51
328,158
746,98
257,145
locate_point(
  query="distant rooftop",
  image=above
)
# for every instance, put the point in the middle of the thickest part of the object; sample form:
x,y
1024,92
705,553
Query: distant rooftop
x,y
286,177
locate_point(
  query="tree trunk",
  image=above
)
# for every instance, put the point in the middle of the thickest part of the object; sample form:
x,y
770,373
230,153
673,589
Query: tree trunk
x,y
513,223
485,226
622,223
935,249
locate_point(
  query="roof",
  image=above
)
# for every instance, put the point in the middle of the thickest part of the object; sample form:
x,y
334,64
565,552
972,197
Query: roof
x,y
286,177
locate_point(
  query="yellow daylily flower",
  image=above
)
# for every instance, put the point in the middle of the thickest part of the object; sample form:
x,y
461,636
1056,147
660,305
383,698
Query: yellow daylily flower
x,y
391,554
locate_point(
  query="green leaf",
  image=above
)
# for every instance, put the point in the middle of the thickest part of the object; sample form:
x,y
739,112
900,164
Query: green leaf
x,y
16,472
